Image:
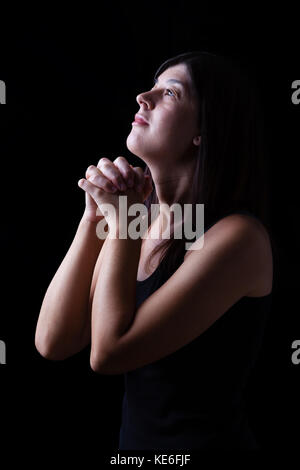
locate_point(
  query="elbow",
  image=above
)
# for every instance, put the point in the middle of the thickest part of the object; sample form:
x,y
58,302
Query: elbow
x,y
47,351
97,363
100,364
41,345
43,350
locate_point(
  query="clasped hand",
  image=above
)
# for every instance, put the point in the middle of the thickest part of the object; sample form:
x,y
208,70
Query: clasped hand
x,y
104,183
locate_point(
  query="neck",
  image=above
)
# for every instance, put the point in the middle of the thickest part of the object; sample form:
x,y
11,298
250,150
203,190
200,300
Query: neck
x,y
171,187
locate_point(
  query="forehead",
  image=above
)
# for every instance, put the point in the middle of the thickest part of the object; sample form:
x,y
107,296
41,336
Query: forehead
x,y
178,72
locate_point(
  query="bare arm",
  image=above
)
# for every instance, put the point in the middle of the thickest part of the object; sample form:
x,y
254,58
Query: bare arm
x,y
63,325
229,266
113,306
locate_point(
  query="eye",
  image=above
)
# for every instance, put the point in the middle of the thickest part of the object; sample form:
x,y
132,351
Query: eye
x,y
173,93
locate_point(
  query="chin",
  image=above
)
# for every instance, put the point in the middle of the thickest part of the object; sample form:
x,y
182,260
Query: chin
x,y
136,145
133,145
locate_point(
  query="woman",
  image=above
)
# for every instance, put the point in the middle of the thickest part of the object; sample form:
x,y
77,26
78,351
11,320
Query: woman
x,y
187,329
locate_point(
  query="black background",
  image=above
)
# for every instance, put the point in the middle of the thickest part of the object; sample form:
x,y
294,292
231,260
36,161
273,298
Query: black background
x,y
72,78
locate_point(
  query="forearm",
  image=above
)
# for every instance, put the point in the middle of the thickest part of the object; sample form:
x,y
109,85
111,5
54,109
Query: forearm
x,y
114,297
64,310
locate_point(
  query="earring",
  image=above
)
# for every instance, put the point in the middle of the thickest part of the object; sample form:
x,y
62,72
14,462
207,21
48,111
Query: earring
x,y
197,140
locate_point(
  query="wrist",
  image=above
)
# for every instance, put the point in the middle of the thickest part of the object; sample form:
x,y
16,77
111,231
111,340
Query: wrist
x,y
123,229
87,218
88,224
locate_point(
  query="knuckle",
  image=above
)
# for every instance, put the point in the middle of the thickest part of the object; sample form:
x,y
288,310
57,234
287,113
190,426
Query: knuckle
x,y
89,169
117,180
107,185
93,178
139,174
119,158
103,160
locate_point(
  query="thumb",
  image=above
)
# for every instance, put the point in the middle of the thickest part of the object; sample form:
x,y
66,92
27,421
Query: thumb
x,y
148,187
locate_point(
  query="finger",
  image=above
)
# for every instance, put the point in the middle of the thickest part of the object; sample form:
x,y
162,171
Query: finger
x,y
136,177
126,170
112,173
94,175
148,186
148,183
140,178
103,183
90,188
91,170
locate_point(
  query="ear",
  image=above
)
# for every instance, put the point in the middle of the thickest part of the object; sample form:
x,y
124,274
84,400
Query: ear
x,y
197,140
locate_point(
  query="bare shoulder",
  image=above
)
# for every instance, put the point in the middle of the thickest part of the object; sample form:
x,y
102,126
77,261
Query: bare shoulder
x,y
213,277
229,265
234,225
245,237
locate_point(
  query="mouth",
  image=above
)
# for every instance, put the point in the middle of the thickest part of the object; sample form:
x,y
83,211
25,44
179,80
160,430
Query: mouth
x,y
140,120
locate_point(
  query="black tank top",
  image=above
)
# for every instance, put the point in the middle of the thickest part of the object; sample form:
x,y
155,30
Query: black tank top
x,y
193,398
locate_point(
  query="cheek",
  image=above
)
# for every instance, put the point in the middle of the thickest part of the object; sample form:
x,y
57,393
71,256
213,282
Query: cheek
x,y
170,124
177,128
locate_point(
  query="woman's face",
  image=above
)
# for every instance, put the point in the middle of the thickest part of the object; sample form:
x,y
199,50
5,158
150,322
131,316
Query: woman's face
x,y
171,113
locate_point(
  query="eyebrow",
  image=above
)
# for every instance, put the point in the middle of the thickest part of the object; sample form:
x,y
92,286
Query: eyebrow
x,y
171,80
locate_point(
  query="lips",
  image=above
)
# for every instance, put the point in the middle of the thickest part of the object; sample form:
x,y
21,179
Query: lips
x,y
140,119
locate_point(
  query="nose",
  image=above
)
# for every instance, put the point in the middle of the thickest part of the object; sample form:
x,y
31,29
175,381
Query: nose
x,y
144,98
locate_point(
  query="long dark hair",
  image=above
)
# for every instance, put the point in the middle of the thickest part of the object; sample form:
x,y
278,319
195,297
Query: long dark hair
x,y
232,162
